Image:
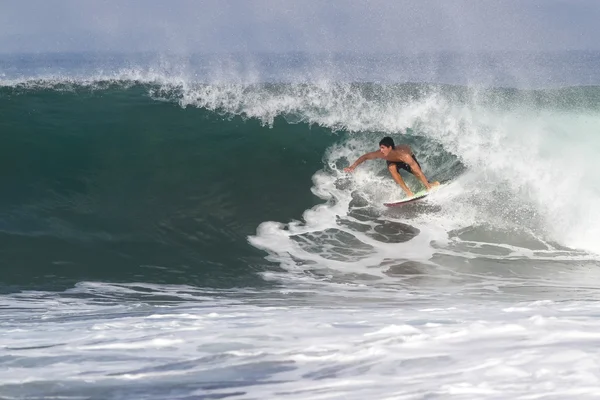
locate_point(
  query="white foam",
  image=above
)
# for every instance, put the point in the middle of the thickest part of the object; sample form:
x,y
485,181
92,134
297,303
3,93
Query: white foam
x,y
519,177
266,347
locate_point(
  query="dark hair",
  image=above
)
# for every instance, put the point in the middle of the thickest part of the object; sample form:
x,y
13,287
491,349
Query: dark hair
x,y
387,142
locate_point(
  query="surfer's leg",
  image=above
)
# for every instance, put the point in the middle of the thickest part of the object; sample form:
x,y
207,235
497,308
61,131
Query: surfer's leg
x,y
393,168
417,161
402,165
409,169
434,183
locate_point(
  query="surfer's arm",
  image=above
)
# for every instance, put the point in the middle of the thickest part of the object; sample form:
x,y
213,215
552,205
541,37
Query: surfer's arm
x,y
369,156
396,175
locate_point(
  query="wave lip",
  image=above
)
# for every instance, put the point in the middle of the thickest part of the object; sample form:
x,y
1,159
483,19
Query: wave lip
x,y
498,69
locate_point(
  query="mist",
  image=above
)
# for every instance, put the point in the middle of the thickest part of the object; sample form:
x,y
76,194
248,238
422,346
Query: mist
x,y
211,26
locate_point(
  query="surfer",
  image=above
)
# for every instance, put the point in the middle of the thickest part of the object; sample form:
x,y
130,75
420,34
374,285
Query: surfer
x,y
397,157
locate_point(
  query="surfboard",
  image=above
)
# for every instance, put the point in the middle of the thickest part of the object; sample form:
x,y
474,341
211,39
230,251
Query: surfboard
x,y
417,196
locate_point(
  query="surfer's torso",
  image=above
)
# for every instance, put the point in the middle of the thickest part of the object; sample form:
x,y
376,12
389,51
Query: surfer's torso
x,y
400,155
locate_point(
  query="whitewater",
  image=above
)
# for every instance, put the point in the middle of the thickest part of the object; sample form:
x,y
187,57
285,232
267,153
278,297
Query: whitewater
x,y
207,244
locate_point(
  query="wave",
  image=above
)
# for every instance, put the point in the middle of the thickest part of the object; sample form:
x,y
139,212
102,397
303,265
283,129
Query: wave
x,y
158,172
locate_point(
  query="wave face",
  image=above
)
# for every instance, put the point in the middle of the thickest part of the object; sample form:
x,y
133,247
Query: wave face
x,y
110,184
184,174
206,219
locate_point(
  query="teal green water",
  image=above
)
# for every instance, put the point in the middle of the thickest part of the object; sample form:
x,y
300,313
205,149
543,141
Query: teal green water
x,y
112,185
121,181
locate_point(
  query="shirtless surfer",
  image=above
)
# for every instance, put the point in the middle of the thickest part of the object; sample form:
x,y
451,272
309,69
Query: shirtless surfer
x,y
397,157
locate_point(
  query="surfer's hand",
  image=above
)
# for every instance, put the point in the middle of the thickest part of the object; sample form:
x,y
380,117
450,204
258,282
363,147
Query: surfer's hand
x,y
349,169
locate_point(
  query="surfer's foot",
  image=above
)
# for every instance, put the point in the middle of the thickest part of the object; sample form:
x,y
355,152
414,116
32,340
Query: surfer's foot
x,y
436,183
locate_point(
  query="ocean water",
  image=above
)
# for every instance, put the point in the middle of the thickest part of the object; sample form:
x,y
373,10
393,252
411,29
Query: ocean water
x,y
182,228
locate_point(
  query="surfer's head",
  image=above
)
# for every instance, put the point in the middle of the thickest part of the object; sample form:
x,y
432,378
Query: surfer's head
x,y
386,145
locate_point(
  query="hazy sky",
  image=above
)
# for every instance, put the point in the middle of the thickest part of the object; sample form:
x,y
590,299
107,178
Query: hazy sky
x,y
298,25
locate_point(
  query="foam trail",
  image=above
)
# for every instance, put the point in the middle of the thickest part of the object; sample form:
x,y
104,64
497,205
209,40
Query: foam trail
x,y
380,344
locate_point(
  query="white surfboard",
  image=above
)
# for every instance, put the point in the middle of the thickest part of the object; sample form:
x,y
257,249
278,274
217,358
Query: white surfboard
x,y
417,196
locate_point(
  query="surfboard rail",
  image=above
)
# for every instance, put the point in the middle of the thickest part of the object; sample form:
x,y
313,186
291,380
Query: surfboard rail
x,y
417,196
414,198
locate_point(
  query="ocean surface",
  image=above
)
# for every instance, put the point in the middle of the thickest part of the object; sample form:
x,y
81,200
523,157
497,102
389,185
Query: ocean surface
x,y
181,227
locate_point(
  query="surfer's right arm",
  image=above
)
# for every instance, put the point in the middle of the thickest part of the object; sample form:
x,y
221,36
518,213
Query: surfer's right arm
x,y
369,156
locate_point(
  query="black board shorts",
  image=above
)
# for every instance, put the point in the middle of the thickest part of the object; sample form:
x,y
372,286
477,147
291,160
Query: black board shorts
x,y
402,165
